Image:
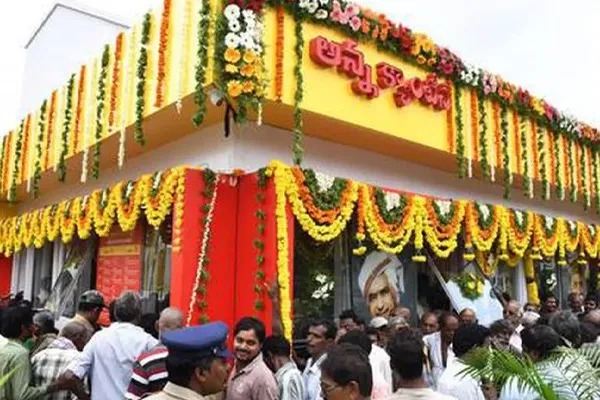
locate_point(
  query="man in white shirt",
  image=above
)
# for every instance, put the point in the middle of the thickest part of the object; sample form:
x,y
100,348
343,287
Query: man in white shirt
x,y
109,356
452,382
321,335
512,313
439,346
407,358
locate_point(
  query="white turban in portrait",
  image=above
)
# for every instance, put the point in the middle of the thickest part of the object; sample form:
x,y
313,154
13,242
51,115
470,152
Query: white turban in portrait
x,y
377,263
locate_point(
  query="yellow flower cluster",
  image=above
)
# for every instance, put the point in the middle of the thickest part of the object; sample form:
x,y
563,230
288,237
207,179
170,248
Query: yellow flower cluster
x,y
246,67
532,288
98,211
178,213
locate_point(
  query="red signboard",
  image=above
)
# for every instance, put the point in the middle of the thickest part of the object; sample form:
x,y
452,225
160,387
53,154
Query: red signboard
x,y
119,265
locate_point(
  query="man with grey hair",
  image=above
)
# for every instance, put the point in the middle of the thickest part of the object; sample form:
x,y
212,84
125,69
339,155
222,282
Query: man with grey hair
x,y
109,356
48,364
150,369
44,331
566,324
529,319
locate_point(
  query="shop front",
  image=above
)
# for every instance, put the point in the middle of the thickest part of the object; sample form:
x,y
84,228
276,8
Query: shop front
x,y
409,180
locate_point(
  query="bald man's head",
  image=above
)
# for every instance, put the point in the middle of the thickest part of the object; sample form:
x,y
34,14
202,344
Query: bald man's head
x,y
77,333
170,319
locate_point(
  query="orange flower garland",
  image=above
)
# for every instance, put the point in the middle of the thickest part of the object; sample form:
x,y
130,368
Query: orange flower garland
x,y
279,53
517,141
442,236
519,237
497,132
474,125
162,50
578,167
482,238
114,89
566,164
547,242
79,110
551,153
50,130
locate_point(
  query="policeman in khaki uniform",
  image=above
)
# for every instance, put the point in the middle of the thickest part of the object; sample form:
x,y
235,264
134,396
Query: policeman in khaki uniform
x,y
197,363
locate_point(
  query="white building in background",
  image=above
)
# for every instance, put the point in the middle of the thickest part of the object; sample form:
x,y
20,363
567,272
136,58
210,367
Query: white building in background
x,y
68,36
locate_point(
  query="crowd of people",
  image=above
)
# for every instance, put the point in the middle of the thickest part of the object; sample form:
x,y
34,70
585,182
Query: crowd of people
x,y
348,358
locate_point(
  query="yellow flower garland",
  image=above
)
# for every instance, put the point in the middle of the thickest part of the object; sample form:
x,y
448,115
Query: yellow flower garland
x,y
443,245
532,287
283,274
98,211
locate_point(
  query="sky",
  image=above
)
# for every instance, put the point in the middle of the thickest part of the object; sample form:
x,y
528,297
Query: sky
x,y
543,45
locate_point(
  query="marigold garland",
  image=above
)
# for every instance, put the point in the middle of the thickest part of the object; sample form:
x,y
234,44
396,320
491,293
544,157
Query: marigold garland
x,y
547,234
50,133
532,287
517,141
527,176
6,162
259,243
460,133
154,196
596,175
495,149
578,167
450,124
558,167
162,52
584,176
281,179
519,228
279,44
115,81
573,181
25,152
541,161
442,228
77,130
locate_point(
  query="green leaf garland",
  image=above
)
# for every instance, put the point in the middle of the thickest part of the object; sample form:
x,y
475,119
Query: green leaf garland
x,y
298,147
325,200
202,62
259,243
142,65
542,162
506,164
394,215
64,144
37,173
12,193
100,110
460,133
444,219
527,180
485,223
209,187
483,143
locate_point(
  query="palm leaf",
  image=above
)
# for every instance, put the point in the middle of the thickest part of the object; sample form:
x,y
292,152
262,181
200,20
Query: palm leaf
x,y
6,377
571,373
502,366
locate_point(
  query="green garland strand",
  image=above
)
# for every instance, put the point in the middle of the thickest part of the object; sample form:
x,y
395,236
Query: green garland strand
x,y
37,173
394,215
542,162
259,243
508,176
209,186
140,93
483,143
325,200
560,189
202,62
12,194
298,148
584,178
100,110
460,134
62,165
572,173
444,219
527,184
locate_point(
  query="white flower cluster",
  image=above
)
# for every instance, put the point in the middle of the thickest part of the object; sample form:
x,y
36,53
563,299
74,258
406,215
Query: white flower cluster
x,y
485,211
548,221
470,75
519,217
572,225
569,124
245,29
443,206
324,181
392,200
316,7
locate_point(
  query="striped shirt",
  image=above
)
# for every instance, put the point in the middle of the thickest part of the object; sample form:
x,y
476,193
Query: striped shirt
x,y
149,373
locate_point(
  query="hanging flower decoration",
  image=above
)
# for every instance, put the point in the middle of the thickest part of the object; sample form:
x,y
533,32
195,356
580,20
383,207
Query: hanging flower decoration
x,y
482,224
460,134
202,61
12,192
66,130
547,232
240,57
443,224
162,53
470,285
100,110
259,242
140,93
37,172
198,297
152,195
532,287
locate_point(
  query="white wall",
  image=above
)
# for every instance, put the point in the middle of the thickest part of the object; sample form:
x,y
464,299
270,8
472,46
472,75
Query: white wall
x,y
251,147
67,39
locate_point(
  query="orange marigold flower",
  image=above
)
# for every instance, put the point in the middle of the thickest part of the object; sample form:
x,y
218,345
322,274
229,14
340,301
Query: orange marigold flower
x,y
249,56
431,62
234,88
248,70
248,87
232,55
421,59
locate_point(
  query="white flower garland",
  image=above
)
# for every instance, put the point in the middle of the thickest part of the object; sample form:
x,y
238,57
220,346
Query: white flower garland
x,y
324,181
392,200
203,247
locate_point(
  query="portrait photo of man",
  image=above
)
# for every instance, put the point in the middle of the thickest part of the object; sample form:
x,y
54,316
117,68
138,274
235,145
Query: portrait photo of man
x,y
381,283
